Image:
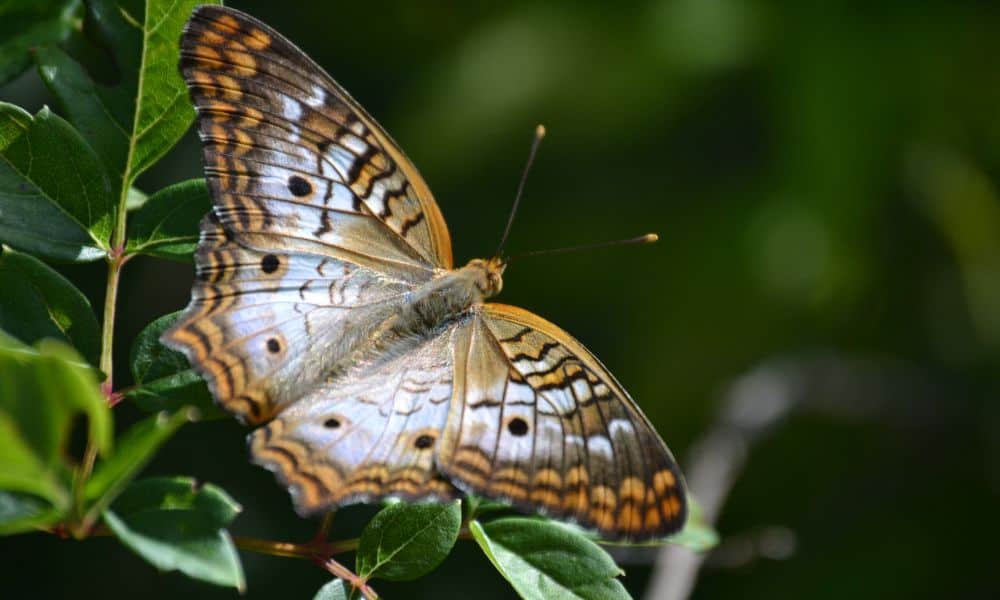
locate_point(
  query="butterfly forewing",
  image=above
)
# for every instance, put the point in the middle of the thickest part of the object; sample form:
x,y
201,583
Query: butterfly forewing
x,y
314,208
545,426
288,153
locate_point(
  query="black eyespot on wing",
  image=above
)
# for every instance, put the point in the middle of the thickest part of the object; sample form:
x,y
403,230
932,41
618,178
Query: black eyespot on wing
x,y
424,441
517,426
299,186
270,263
273,346
331,423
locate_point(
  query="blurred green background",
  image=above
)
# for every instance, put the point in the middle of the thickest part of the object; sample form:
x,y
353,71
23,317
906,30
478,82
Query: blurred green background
x,y
823,176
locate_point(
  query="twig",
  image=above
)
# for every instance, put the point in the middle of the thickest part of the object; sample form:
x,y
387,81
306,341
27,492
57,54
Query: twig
x,y
309,550
338,570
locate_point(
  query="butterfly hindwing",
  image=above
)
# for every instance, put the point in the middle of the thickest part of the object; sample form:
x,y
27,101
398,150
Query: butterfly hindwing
x,y
257,319
372,434
545,426
288,153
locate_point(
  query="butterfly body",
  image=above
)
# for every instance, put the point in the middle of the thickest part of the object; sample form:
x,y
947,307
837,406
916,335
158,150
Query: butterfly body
x,y
327,313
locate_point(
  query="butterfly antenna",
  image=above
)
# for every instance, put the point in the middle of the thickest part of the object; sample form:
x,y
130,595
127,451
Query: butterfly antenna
x,y
649,238
539,134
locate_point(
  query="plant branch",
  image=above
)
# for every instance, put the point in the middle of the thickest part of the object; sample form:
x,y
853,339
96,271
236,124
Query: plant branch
x,y
309,550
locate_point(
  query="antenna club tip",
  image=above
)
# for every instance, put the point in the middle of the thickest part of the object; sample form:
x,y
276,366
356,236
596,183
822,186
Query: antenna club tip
x,y
649,238
540,131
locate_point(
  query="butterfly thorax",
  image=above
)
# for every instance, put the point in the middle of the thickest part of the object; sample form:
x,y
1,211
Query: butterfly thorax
x,y
448,296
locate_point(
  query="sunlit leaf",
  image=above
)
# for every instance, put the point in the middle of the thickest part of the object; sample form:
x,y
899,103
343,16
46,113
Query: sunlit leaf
x,y
167,225
54,194
406,541
43,390
176,524
543,560
163,110
135,121
38,302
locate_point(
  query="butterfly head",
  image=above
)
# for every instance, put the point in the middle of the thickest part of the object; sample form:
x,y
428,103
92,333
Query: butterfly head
x,y
487,275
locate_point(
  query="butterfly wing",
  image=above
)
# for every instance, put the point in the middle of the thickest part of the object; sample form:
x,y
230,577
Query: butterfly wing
x,y
539,422
263,327
290,156
370,435
319,222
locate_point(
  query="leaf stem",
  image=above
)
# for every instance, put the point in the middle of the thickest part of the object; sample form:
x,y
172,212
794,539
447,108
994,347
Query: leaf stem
x,y
338,570
115,263
79,525
116,260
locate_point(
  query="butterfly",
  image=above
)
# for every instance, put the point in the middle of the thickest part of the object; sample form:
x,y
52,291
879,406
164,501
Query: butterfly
x,y
327,313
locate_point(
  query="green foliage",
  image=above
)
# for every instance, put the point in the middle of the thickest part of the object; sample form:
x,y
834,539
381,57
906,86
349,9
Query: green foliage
x,y
136,121
134,450
54,195
176,524
164,378
544,560
167,224
25,24
43,390
407,541
37,302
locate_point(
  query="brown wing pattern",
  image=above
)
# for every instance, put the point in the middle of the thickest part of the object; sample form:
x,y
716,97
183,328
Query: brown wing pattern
x,y
545,426
288,153
256,316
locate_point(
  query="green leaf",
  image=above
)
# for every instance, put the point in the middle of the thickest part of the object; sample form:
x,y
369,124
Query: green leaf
x,y
38,302
54,196
138,119
89,107
135,449
477,505
543,560
177,525
697,535
42,391
25,24
163,111
135,199
14,121
24,512
406,541
149,358
334,590
167,225
174,392
165,380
